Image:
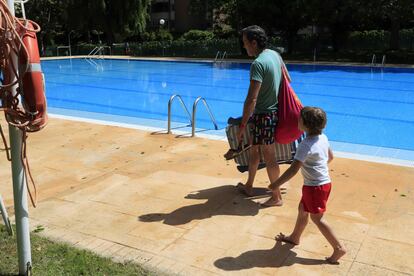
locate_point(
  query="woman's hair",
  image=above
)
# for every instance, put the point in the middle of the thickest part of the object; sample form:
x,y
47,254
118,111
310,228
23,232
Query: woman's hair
x,y
314,119
255,32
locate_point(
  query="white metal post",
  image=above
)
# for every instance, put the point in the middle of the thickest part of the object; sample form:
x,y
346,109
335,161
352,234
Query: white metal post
x,y
21,208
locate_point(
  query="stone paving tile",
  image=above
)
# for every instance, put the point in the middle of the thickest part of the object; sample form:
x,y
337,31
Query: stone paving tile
x,y
94,244
215,235
102,249
113,249
192,253
394,226
191,271
344,228
269,226
300,262
388,254
253,254
316,243
370,270
157,231
364,212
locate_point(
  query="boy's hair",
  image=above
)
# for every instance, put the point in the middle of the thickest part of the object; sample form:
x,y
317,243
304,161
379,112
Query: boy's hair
x,y
314,119
255,32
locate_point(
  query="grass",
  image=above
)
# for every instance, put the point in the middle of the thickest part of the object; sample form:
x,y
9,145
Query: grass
x,y
52,258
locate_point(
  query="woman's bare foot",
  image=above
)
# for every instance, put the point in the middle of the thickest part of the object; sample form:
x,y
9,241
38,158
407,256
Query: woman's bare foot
x,y
272,202
247,190
287,239
336,255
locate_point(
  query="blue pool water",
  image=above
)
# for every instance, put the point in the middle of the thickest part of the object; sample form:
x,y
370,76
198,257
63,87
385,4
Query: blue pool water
x,y
365,106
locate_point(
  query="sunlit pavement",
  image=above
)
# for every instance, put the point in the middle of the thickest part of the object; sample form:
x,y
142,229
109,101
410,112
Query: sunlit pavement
x,y
171,204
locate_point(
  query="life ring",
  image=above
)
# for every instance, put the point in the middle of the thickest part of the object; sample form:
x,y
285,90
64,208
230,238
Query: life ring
x,y
33,84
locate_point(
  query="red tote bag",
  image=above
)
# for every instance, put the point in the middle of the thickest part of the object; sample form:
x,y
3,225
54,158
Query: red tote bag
x,y
288,113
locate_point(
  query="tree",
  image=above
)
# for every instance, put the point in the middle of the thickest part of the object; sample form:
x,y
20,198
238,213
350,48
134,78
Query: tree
x,y
397,13
47,13
284,16
117,19
339,16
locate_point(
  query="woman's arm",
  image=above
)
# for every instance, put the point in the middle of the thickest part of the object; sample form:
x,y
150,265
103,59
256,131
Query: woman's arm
x,y
249,105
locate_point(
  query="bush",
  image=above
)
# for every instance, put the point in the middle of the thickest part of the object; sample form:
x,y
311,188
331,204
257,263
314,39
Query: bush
x,y
368,40
161,35
183,48
407,39
198,35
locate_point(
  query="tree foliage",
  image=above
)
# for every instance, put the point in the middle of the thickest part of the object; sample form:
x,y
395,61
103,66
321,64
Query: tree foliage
x,y
338,17
116,19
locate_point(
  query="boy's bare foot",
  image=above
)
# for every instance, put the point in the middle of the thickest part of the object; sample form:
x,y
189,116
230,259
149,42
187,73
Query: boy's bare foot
x,y
287,239
247,190
336,255
272,202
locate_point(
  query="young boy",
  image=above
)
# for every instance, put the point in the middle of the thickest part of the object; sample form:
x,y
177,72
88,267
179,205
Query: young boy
x,y
312,157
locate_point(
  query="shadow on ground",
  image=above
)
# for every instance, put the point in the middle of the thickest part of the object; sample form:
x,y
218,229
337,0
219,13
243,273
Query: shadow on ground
x,y
222,200
278,256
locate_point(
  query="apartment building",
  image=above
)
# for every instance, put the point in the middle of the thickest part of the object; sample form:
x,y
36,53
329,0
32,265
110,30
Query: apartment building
x,y
176,16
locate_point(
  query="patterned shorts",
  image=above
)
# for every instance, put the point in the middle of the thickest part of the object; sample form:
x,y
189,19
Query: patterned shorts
x,y
264,128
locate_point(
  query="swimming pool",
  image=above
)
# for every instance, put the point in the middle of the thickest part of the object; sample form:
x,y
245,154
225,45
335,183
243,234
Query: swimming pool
x,y
365,106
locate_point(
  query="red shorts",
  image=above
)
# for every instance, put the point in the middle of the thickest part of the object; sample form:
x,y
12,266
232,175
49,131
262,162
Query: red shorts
x,y
314,198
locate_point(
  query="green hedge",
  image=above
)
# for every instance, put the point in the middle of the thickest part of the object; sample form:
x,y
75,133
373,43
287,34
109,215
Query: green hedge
x,y
198,35
183,48
360,47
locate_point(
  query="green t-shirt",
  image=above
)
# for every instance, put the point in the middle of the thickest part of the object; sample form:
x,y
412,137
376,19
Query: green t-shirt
x,y
266,68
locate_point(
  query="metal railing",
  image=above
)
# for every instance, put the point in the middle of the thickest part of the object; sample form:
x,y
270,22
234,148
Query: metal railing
x,y
195,111
383,61
221,58
99,51
63,47
22,2
374,60
192,117
169,110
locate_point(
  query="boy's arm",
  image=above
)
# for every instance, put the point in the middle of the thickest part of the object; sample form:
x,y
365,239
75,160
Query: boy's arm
x,y
287,175
330,155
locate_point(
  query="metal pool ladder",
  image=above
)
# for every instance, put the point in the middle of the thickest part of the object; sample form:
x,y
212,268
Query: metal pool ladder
x,y
193,116
218,58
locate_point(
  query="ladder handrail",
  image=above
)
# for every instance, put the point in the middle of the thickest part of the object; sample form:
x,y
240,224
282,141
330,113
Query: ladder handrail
x,y
223,56
374,60
63,47
109,47
217,55
194,115
94,50
169,110
22,2
383,61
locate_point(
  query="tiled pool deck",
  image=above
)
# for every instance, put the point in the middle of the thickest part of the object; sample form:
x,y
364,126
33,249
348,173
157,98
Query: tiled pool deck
x,y
170,204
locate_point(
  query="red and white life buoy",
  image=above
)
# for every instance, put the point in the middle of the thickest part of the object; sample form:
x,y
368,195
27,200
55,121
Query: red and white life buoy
x,y
33,90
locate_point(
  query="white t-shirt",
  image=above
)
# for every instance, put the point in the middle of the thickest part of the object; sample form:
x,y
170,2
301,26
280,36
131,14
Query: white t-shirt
x,y
313,153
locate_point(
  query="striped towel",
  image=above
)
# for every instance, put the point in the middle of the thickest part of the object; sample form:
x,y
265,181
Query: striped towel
x,y
284,152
